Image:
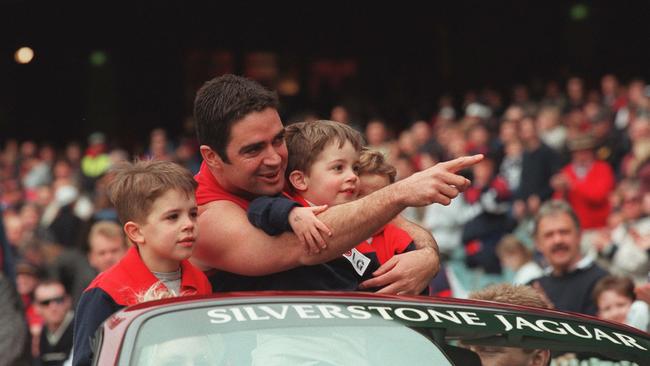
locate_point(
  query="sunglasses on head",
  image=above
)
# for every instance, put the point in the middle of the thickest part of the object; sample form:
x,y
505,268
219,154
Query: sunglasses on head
x,y
57,300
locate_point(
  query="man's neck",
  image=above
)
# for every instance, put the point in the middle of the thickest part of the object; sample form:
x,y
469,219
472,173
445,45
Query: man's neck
x,y
579,263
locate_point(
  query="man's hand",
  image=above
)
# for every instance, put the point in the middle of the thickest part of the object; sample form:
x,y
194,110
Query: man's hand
x,y
438,184
559,182
405,274
308,228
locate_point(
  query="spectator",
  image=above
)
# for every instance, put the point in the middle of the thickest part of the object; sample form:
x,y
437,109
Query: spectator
x,y
76,269
14,334
627,248
511,356
539,163
27,278
516,257
55,306
569,280
585,183
617,302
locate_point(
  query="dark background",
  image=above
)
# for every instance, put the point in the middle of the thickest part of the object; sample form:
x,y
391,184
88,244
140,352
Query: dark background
x,y
405,57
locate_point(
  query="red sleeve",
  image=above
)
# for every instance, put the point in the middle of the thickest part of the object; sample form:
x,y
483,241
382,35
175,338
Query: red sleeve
x,y
397,240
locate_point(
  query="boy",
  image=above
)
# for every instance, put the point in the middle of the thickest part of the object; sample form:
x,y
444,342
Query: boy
x,y
374,174
616,301
322,170
155,202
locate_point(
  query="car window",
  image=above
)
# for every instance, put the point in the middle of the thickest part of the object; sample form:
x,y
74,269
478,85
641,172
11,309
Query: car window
x,y
381,333
168,339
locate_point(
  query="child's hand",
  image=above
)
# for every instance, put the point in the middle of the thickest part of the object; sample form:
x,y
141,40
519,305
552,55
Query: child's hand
x,y
308,228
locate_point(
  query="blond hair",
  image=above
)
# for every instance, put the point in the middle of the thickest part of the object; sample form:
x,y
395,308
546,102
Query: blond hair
x,y
107,229
306,140
510,244
511,294
374,162
137,185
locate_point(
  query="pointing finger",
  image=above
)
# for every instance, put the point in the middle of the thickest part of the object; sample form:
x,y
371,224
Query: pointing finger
x,y
461,163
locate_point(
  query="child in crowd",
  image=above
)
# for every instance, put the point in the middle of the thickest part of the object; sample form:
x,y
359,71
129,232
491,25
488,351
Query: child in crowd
x,y
617,302
515,256
155,202
374,174
323,169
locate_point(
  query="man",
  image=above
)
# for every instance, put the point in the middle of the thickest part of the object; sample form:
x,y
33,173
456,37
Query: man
x,y
106,245
569,279
55,306
511,356
586,183
245,156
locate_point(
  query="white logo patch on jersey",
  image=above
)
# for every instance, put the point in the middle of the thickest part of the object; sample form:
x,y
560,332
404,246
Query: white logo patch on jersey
x,y
359,261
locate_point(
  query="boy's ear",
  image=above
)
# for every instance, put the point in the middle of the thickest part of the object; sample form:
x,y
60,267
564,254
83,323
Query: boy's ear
x,y
211,157
134,233
299,181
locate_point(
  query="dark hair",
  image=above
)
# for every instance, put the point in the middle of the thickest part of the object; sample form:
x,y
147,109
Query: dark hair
x,y
623,286
223,101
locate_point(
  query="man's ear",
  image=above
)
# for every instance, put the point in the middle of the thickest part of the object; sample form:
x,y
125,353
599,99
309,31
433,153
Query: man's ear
x,y
134,233
211,157
299,180
540,357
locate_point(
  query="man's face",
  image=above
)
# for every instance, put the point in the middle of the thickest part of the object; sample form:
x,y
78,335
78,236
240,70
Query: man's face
x,y
52,303
508,356
105,251
258,155
558,239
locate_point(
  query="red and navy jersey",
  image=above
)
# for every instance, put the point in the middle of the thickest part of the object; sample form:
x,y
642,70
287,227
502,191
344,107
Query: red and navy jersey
x,y
389,241
344,273
118,287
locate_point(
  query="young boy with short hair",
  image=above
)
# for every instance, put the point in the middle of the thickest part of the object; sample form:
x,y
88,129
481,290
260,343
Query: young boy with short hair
x,y
374,174
616,301
323,170
155,202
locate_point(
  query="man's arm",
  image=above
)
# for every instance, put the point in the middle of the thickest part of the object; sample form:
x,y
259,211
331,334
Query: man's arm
x,y
227,240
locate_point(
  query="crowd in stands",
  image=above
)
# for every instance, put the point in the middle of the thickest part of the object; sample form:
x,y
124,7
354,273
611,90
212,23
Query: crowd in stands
x,y
588,147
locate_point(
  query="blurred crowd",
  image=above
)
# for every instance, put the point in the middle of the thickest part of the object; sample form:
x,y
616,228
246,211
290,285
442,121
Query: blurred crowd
x,y
587,146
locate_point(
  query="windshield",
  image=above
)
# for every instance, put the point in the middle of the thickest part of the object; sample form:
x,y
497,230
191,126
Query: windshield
x,y
320,334
169,340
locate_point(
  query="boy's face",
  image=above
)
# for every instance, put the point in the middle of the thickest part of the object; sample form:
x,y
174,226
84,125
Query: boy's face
x,y
332,179
170,231
372,182
613,306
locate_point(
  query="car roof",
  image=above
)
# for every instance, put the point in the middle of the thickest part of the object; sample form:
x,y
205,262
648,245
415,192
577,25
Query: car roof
x,y
523,318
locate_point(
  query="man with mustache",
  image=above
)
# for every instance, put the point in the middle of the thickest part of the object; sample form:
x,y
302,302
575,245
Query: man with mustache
x,y
569,278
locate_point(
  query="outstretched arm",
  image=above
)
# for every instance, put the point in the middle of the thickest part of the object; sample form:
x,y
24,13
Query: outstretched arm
x,y
229,242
